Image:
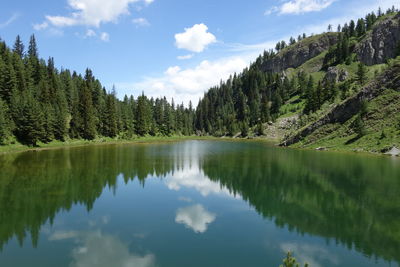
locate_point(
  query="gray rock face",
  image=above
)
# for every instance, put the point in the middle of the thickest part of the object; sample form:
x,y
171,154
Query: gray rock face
x,y
394,152
380,44
296,55
335,75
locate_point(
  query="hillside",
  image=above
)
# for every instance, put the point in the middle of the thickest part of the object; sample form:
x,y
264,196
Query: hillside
x,y
367,120
336,90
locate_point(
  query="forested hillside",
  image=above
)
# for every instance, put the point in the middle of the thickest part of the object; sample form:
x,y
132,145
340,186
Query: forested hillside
x,y
39,103
296,84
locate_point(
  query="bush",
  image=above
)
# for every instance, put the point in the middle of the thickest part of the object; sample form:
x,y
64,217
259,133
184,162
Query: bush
x,y
290,261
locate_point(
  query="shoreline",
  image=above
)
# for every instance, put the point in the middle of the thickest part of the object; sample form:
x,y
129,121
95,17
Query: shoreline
x,y
19,148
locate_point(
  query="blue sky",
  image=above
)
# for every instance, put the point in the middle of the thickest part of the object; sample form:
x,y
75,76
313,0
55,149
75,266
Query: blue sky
x,y
174,48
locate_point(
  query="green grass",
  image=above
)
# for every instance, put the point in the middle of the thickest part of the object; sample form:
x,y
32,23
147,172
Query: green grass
x,y
17,147
291,107
312,66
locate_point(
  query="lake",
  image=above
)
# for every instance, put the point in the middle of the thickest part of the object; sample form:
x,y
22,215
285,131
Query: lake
x,y
198,203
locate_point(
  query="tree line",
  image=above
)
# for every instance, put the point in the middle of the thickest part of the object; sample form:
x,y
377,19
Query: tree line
x,y
39,103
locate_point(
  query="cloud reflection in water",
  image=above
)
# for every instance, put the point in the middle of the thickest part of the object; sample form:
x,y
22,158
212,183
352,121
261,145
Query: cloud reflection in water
x,y
98,249
195,217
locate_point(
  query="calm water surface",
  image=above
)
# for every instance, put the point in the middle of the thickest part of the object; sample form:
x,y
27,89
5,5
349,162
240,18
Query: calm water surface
x,y
197,203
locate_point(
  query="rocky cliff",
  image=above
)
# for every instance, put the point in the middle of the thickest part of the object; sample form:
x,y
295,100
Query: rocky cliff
x,y
380,43
299,53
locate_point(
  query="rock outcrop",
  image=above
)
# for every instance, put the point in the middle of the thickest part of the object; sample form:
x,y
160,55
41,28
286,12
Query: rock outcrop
x,y
334,75
381,43
296,55
394,152
346,110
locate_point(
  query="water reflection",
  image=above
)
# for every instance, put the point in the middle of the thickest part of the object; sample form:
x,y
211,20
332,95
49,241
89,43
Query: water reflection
x,y
193,177
347,199
309,253
97,249
195,217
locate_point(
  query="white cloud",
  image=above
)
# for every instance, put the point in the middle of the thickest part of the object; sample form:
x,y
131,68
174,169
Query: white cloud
x,y
271,10
195,217
300,6
90,33
93,12
40,26
187,84
9,21
104,37
141,22
195,39
185,57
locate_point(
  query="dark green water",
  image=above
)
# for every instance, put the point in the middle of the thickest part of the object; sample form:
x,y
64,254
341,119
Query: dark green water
x,y
198,203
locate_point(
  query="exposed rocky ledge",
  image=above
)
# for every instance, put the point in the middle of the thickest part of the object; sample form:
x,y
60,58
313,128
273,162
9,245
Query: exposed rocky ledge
x,y
380,43
335,75
296,55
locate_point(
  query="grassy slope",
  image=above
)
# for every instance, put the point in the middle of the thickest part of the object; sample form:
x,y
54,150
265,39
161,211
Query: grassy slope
x,y
382,124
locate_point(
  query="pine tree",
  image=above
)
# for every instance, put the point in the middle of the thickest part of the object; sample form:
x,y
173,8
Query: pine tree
x,y
310,105
345,49
319,98
360,28
32,49
62,117
111,111
86,110
143,115
8,83
244,128
19,47
352,28
5,127
278,47
30,120
33,60
361,75
359,127
276,103
339,50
